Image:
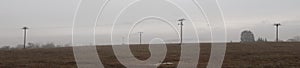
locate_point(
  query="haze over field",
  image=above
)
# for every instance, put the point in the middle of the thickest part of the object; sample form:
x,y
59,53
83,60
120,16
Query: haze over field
x,y
51,20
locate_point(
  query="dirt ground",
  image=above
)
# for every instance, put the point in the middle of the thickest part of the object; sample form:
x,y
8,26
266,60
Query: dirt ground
x,y
238,55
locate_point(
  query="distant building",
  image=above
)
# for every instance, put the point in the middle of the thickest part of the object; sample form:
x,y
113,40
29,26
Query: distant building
x,y
294,39
247,36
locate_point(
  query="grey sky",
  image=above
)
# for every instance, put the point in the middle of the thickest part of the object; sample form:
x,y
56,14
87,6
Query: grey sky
x,y
51,20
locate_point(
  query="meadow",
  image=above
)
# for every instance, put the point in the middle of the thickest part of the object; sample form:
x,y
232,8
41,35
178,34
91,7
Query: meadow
x,y
238,55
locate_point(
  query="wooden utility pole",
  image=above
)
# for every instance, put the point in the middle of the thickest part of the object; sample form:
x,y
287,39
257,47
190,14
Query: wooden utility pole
x,y
277,31
181,30
140,37
25,36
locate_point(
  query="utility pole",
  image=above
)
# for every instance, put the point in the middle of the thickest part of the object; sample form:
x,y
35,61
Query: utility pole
x,y
25,32
181,30
277,31
140,37
123,40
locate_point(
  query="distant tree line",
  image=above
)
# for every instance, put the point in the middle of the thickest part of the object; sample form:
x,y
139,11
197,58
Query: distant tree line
x,y
247,36
34,45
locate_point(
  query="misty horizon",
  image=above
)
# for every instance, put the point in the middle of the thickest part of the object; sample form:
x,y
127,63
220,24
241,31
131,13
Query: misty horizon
x,y
52,21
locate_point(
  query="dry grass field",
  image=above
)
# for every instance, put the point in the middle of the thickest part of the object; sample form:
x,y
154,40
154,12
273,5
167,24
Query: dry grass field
x,y
238,55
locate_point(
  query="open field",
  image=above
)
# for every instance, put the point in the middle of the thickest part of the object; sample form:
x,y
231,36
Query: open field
x,y
238,55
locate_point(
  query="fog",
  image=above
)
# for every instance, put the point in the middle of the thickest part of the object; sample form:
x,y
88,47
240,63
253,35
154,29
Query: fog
x,y
51,20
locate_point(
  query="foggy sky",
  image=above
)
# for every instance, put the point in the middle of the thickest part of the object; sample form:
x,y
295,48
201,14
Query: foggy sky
x,y
51,20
